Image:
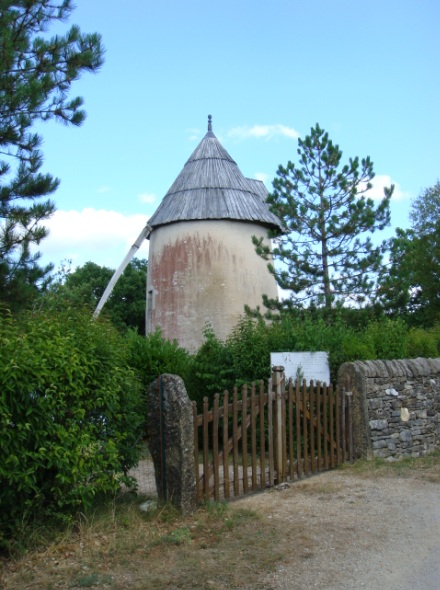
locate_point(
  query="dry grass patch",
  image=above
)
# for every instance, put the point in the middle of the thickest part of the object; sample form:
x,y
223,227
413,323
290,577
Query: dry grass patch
x,y
424,468
220,546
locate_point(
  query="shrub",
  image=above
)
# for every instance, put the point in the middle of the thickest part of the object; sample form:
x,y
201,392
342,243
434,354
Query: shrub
x,y
388,338
422,343
70,415
152,356
249,348
211,370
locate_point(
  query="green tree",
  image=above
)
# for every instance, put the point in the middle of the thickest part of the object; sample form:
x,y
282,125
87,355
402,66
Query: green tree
x,y
126,305
410,287
326,255
425,210
396,281
36,74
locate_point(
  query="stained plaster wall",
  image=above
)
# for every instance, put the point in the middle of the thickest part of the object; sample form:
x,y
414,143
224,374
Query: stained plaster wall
x,y
204,271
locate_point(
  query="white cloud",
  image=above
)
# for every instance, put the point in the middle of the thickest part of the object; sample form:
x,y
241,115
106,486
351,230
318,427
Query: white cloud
x,y
379,182
263,132
98,235
262,176
194,134
148,198
104,189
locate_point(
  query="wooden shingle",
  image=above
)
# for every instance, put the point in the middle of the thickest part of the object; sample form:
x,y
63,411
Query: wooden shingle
x,y
211,186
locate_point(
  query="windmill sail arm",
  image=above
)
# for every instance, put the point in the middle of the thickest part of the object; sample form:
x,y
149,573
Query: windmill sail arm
x,y
108,291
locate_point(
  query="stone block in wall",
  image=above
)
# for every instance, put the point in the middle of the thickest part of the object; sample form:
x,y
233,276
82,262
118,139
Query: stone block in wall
x,y
378,424
434,365
405,436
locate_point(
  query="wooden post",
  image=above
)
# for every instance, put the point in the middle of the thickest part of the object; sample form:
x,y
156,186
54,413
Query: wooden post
x,y
278,384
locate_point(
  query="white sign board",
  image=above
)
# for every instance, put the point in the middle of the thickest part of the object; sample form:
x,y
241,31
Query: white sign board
x,y
309,365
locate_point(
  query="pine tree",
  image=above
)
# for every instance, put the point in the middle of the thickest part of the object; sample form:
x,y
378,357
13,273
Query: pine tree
x,y
36,73
326,256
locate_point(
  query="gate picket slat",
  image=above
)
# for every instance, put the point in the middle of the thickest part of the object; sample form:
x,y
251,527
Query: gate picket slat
x,y
312,427
325,420
215,453
254,438
343,422
319,424
205,449
262,438
283,432
290,428
338,427
226,444
298,429
235,442
199,492
332,427
270,401
244,437
305,433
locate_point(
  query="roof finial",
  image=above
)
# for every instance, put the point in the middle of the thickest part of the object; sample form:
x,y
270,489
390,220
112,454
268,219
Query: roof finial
x,y
209,122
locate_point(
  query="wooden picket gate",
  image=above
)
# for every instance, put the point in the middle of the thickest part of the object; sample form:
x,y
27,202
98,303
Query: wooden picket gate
x,y
266,436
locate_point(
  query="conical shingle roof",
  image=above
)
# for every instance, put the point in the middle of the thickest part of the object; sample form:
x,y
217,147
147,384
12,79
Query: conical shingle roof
x,y
211,186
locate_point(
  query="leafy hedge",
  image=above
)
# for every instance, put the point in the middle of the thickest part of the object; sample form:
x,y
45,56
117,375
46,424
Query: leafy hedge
x,y
245,356
70,415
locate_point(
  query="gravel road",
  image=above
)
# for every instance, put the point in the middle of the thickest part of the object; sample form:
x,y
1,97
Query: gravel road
x,y
345,531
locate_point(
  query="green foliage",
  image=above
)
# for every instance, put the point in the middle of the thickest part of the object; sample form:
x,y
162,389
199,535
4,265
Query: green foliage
x,y
326,256
410,288
36,74
70,415
387,338
249,348
212,369
152,356
245,356
425,210
22,280
85,285
423,343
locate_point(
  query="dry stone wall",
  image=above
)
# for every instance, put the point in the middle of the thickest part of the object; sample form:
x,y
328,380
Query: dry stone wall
x,y
396,406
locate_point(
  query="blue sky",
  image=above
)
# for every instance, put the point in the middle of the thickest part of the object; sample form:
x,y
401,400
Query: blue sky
x,y
368,73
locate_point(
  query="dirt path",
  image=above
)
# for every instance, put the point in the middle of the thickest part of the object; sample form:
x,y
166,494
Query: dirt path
x,y
345,531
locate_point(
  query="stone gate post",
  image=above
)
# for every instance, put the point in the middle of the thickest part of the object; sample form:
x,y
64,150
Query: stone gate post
x,y
171,441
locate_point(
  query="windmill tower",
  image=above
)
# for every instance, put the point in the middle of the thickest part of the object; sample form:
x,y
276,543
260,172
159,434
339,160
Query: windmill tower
x,y
202,265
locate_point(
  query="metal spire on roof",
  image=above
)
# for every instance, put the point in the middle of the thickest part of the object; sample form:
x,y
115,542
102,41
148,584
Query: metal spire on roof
x,y
209,122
